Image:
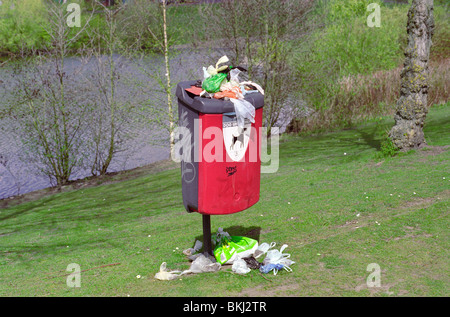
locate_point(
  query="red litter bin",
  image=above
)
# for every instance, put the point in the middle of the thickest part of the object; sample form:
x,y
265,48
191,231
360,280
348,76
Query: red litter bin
x,y
220,163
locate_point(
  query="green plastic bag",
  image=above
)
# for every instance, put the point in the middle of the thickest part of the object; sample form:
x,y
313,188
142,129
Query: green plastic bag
x,y
231,248
212,83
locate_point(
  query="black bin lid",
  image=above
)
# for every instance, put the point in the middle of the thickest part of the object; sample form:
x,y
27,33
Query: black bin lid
x,y
213,106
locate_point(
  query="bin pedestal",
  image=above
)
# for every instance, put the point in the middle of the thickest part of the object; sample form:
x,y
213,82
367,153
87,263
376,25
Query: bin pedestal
x,y
207,247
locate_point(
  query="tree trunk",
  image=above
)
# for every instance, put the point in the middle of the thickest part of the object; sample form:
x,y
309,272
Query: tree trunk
x,y
411,109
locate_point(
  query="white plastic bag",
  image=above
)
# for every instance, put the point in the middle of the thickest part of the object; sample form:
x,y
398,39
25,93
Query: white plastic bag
x,y
275,256
263,248
234,76
165,275
258,87
244,110
240,267
202,265
278,257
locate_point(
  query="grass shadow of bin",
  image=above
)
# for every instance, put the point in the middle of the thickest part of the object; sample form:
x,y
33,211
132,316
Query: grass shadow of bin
x,y
249,232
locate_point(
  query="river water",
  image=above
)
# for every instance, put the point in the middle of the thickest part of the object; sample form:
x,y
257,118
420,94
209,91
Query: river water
x,y
19,175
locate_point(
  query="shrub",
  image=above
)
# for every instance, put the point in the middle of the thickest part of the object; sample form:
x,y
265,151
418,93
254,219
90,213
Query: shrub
x,y
388,148
22,25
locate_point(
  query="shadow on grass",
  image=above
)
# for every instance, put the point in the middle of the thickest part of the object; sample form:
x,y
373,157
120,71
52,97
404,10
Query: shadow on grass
x,y
252,232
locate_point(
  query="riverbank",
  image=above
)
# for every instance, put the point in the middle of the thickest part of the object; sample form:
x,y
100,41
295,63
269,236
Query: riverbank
x,y
91,181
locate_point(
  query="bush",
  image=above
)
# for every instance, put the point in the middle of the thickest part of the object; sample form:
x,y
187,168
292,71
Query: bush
x,y
388,148
22,25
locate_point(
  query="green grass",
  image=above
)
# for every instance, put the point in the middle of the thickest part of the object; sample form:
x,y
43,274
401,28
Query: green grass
x,y
338,213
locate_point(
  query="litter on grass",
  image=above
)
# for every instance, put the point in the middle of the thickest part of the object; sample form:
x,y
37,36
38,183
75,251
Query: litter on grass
x,y
241,252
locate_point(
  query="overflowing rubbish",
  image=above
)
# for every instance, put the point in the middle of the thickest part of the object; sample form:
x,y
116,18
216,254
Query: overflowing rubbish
x,y
243,253
222,82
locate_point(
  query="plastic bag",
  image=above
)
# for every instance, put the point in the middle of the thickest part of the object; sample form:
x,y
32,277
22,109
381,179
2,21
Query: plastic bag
x,y
165,275
278,257
215,70
263,248
252,263
275,256
240,266
197,246
258,87
269,267
212,79
221,236
234,247
234,76
244,110
212,83
202,265
228,93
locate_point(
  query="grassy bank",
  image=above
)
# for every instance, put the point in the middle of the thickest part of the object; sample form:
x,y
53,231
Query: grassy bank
x,y
334,201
